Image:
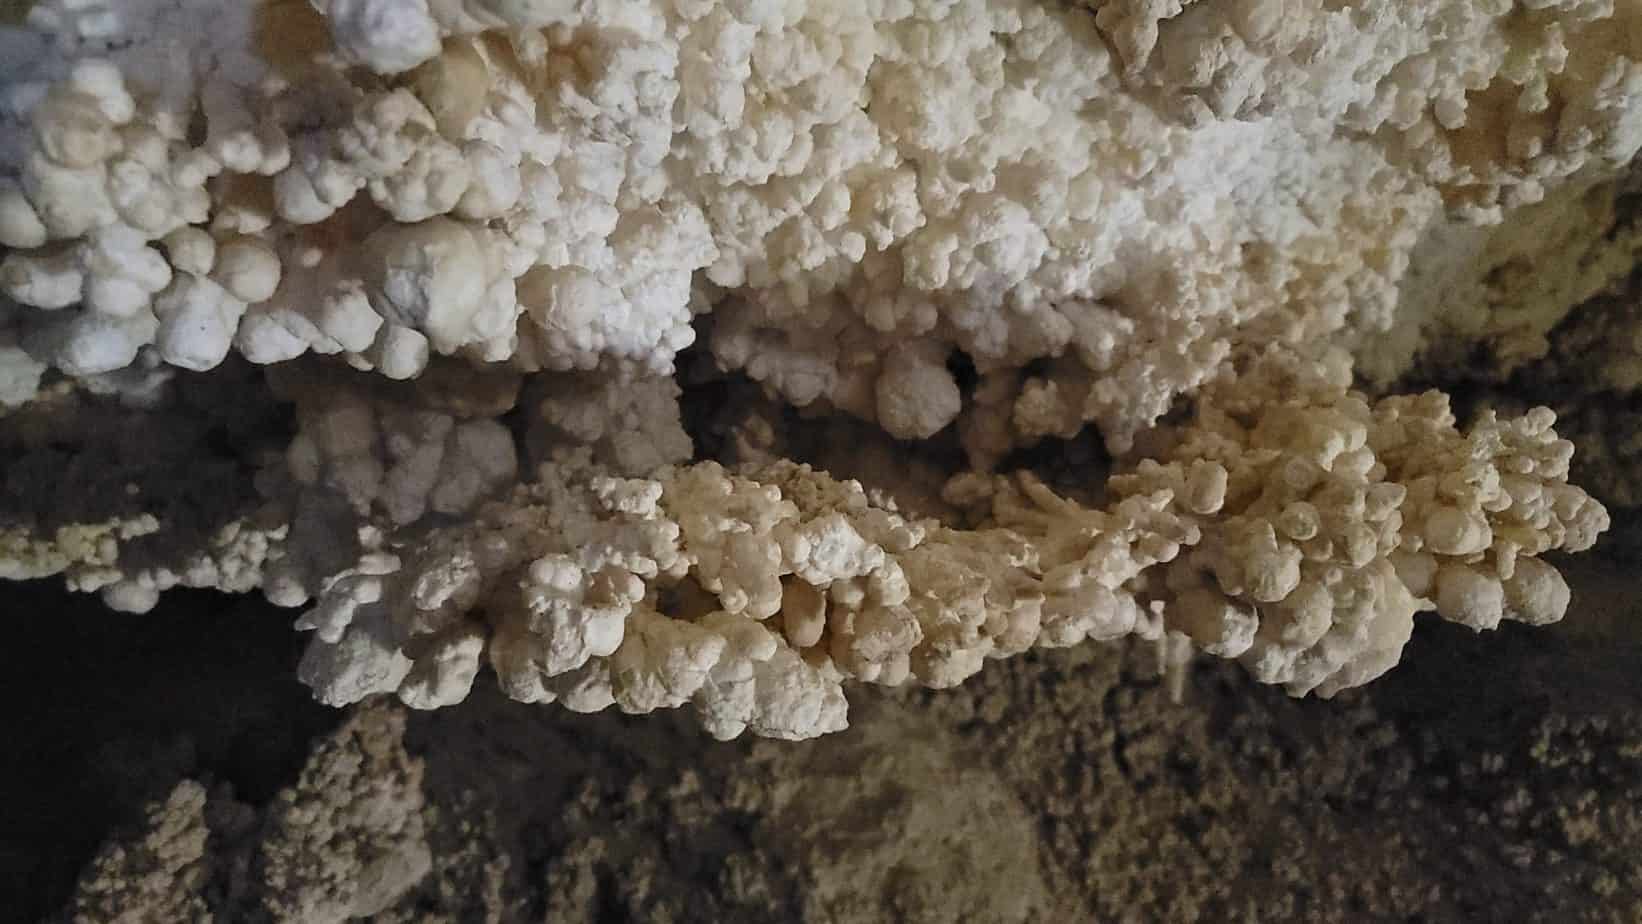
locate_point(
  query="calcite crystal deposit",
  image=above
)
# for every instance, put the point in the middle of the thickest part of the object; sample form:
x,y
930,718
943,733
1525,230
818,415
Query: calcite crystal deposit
x,y
497,321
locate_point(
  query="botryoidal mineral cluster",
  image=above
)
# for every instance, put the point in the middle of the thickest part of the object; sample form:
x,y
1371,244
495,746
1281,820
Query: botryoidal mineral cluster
x,y
385,309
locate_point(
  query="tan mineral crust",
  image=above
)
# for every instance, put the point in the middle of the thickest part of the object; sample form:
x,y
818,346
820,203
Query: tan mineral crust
x,y
823,460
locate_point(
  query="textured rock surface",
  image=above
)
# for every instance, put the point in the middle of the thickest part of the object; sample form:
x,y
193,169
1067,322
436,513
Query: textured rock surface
x,y
411,283
1007,232
1064,785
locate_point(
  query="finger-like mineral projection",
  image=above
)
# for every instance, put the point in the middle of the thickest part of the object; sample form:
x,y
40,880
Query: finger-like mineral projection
x,y
480,270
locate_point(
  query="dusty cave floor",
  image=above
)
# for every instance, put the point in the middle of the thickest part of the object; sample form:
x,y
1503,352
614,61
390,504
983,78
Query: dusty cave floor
x,y
1493,778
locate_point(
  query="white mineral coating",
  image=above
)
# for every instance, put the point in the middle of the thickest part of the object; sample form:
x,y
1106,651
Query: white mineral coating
x,y
967,224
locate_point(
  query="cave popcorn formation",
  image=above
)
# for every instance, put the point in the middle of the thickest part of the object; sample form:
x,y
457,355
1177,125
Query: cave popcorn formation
x,y
463,244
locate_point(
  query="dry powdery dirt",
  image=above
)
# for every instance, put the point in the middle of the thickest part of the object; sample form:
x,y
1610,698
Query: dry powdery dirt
x,y
1067,787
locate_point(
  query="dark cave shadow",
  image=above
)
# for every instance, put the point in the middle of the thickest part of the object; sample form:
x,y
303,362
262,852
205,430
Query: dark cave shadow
x,y
108,711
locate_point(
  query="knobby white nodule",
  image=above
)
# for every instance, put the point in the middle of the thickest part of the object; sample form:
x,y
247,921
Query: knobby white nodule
x,y
530,207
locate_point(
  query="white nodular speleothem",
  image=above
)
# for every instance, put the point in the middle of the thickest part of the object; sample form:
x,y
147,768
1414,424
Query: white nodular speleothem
x,y
467,241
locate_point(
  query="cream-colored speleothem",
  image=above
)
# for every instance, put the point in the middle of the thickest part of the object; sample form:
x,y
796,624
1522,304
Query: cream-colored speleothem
x,y
1103,216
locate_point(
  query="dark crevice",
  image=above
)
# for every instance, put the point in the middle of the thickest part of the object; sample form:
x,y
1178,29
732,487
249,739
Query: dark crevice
x,y
108,711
